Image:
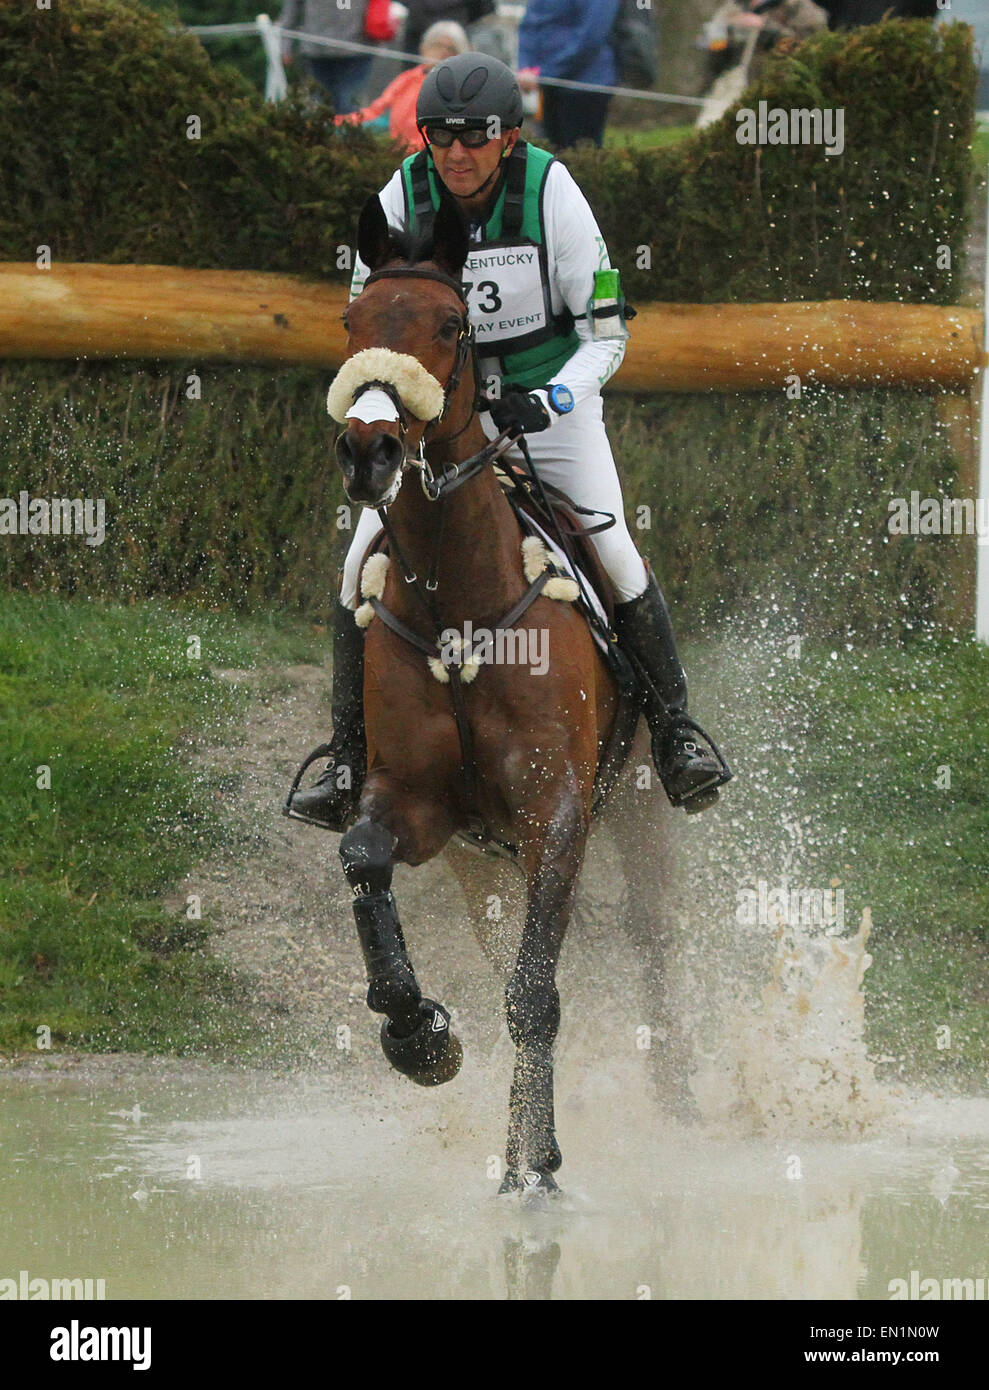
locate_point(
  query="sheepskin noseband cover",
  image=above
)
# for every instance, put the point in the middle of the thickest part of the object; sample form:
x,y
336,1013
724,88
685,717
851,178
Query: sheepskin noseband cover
x,y
420,392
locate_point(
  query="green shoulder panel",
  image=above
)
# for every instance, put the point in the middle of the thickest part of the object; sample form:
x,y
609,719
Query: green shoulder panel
x,y
536,168
412,168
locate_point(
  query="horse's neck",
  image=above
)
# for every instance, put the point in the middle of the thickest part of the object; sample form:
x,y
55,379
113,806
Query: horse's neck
x,y
478,568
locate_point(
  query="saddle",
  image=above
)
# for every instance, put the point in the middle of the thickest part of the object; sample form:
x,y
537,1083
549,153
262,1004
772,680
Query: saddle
x,y
515,482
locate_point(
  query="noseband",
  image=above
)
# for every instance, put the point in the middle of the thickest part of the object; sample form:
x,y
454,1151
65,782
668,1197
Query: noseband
x,y
465,342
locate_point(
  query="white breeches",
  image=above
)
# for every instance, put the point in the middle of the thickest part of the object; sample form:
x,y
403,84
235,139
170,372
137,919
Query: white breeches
x,y
575,456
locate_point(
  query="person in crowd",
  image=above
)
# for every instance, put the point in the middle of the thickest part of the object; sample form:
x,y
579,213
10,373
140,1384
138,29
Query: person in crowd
x,y
773,22
441,40
775,19
340,73
571,39
424,13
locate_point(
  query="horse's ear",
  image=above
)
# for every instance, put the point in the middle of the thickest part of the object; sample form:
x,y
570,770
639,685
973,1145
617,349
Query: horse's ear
x,y
450,240
373,237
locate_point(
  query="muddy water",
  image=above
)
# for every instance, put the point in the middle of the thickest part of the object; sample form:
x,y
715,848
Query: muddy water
x,y
311,1187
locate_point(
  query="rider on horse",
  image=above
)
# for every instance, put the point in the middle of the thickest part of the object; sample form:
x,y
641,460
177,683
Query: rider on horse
x,y
549,335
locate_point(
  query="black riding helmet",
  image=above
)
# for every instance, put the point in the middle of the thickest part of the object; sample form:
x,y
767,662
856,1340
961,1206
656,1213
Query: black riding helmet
x,y
467,91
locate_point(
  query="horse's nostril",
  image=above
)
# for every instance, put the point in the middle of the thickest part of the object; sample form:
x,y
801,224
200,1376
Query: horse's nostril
x,y
370,465
388,452
345,452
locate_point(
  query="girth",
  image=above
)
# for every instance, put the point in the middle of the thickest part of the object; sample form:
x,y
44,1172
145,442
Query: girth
x,y
434,649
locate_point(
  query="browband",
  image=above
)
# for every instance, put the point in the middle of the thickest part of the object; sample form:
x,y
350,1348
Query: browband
x,y
412,272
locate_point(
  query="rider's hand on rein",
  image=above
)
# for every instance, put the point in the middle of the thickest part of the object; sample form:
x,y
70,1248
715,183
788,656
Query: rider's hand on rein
x,y
523,409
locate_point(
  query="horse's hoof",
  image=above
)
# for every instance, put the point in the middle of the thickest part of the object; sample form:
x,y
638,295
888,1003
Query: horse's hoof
x,y
530,1182
431,1054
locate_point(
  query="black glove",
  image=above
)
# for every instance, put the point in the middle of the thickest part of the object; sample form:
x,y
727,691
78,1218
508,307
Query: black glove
x,y
517,407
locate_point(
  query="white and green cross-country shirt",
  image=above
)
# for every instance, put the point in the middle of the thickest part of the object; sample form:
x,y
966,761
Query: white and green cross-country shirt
x,y
529,273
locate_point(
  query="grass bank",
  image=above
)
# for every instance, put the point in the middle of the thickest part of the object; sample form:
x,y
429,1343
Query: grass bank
x,y
108,699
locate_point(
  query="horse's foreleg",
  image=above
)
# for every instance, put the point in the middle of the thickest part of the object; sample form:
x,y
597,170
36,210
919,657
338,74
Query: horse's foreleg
x,y
552,860
415,1034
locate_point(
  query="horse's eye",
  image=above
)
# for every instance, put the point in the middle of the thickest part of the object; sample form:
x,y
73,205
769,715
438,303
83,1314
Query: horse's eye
x,y
450,329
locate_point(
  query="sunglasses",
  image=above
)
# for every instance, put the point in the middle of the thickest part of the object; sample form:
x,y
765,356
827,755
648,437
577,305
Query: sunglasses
x,y
444,136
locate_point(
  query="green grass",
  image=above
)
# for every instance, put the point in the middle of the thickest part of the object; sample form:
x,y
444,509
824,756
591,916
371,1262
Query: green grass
x,y
657,137
618,137
980,148
898,765
105,696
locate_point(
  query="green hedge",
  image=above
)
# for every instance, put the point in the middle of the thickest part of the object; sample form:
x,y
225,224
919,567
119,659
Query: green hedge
x,y
227,499
726,221
94,161
243,52
231,499
780,509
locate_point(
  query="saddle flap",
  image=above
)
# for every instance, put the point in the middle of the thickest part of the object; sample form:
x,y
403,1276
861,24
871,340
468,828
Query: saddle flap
x,y
514,478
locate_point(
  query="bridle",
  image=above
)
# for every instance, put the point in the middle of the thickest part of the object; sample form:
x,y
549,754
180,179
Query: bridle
x,y
466,352
465,338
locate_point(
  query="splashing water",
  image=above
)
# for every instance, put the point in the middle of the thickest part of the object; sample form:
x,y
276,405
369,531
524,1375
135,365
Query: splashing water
x,y
798,1063
774,1003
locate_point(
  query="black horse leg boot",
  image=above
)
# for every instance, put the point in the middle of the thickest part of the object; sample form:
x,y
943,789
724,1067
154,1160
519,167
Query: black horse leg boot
x,y
690,772
332,800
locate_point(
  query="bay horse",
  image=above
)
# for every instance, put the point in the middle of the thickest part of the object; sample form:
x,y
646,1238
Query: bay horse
x,y
535,740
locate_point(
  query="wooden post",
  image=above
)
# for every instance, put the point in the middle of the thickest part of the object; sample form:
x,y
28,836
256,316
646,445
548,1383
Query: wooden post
x,y
111,311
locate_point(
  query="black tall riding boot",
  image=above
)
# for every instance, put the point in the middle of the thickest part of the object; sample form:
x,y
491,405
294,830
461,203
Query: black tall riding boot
x,y
689,772
333,798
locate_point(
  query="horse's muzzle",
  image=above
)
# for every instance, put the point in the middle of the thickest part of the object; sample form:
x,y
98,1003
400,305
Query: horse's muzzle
x,y
370,466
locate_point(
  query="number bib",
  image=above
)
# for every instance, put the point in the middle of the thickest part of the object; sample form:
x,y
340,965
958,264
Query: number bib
x,y
507,294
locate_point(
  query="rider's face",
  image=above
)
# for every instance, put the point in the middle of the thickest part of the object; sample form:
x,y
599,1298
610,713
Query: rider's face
x,y
463,169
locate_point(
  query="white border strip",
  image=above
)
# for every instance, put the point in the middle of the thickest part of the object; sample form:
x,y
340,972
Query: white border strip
x,y
982,562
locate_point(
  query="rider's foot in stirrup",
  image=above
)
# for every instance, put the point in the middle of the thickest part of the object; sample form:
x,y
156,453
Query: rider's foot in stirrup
x,y
689,773
330,802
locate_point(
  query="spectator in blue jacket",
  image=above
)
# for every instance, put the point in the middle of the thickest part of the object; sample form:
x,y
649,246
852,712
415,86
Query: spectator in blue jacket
x,y
571,39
